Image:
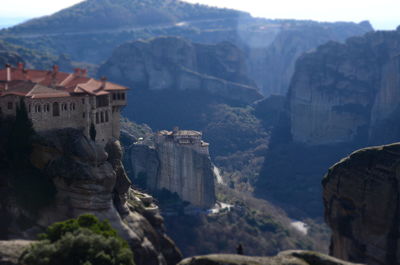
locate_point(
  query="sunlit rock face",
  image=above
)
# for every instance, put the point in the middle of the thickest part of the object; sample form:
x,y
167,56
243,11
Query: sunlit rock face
x,y
179,162
361,199
348,92
170,63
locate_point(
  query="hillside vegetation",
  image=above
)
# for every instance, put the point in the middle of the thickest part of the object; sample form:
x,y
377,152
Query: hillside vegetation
x,y
261,228
109,14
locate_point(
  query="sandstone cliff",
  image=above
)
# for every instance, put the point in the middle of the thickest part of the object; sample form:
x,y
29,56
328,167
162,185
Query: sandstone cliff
x,y
184,168
169,63
348,92
361,199
87,179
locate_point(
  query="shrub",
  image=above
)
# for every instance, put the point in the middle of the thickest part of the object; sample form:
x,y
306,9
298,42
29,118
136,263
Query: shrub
x,y
81,241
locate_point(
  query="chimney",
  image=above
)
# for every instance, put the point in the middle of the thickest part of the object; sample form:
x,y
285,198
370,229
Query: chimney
x,y
84,72
20,66
55,68
103,81
8,72
77,72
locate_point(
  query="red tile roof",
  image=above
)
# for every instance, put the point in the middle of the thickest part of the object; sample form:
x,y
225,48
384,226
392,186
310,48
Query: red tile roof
x,y
45,84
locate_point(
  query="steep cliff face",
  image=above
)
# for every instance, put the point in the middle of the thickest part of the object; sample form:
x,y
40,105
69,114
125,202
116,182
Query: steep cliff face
x,y
169,63
89,179
361,199
348,92
276,64
183,168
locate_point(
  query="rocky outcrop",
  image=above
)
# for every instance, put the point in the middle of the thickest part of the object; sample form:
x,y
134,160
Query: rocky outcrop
x,y
348,92
170,63
290,257
361,199
88,179
178,165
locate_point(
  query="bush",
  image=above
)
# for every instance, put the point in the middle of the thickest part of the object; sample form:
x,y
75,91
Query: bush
x,y
81,241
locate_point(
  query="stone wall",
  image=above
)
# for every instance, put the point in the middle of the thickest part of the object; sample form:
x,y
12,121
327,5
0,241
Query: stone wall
x,y
73,112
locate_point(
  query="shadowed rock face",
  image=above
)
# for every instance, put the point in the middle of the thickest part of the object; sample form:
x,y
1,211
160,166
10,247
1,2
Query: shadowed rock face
x,y
88,179
361,199
348,92
284,258
170,63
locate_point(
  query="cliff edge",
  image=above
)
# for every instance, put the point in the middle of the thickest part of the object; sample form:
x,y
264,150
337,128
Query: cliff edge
x,y
361,199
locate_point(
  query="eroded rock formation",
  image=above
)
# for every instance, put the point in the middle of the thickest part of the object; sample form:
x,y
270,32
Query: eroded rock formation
x,y
361,199
177,64
348,92
179,162
88,179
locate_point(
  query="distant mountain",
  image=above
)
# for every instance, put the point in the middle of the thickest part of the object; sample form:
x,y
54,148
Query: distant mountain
x,y
92,15
6,22
90,31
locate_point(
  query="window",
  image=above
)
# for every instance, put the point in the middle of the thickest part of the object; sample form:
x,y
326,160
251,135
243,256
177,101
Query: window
x,y
102,101
39,108
72,106
46,108
102,117
123,96
97,118
106,116
83,114
114,96
29,108
56,109
9,105
83,101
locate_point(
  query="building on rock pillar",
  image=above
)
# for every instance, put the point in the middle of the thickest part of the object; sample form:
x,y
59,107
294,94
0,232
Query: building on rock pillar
x,y
57,100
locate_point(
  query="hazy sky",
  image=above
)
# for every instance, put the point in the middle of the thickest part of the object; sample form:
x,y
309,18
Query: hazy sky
x,y
383,14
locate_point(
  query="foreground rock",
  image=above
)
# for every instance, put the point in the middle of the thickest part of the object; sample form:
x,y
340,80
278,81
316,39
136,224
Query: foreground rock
x,y
284,258
87,179
361,198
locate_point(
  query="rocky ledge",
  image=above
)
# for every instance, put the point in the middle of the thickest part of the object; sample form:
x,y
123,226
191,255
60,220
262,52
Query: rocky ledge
x,y
361,199
290,257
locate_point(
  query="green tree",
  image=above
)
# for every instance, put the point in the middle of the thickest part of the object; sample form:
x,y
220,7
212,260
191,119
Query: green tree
x,y
81,241
21,136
